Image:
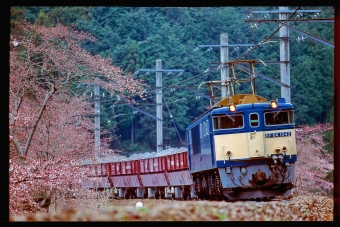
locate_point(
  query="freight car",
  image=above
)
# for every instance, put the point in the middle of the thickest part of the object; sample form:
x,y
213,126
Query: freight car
x,y
148,175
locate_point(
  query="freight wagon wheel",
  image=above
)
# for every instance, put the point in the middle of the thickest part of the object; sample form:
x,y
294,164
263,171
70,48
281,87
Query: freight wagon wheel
x,y
127,194
145,195
173,196
186,194
162,194
157,194
133,194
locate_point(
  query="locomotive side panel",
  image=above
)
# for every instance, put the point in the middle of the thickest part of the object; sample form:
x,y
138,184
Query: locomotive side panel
x,y
201,155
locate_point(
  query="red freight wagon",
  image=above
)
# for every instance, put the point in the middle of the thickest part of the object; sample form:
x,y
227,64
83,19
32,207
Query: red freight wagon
x,y
115,168
135,167
155,164
181,160
162,162
145,165
92,170
108,169
168,160
150,160
176,156
141,165
104,169
172,162
128,167
185,160
123,165
98,169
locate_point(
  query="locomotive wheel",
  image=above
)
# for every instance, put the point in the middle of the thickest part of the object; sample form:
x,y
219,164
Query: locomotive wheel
x,y
220,197
202,195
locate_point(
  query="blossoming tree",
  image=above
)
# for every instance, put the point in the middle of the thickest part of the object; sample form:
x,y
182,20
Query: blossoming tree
x,y
50,131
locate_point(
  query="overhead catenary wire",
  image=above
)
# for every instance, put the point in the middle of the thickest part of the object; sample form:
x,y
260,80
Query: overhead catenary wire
x,y
268,37
172,118
113,131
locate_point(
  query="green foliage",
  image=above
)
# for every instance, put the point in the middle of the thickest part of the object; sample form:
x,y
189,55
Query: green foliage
x,y
330,176
328,137
135,37
136,147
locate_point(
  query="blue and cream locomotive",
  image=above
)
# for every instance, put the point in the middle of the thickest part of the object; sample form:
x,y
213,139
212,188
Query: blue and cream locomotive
x,y
244,147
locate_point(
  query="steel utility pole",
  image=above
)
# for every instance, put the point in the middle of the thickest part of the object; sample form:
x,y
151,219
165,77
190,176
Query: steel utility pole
x,y
224,70
225,91
97,117
159,104
284,56
284,40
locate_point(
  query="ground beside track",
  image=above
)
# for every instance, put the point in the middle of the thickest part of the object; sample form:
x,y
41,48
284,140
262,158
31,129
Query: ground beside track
x,y
298,208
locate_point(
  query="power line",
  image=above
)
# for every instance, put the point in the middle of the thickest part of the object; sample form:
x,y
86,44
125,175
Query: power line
x,y
309,35
267,38
172,118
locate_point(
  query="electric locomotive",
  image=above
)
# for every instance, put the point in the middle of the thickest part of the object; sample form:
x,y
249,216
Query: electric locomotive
x,y
244,147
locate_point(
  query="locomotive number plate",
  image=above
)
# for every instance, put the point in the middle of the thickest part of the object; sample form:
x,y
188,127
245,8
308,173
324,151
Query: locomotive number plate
x,y
277,134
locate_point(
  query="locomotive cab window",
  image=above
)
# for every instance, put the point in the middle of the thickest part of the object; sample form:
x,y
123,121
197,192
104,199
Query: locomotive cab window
x,y
254,119
279,117
228,121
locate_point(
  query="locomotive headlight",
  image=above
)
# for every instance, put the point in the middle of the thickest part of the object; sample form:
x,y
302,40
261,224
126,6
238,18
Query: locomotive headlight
x,y
278,149
273,104
229,153
284,148
232,108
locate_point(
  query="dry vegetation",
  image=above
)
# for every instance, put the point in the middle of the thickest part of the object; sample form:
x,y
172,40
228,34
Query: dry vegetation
x,y
299,208
293,208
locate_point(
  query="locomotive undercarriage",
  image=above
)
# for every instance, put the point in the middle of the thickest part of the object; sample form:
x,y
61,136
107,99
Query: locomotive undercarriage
x,y
208,186
245,182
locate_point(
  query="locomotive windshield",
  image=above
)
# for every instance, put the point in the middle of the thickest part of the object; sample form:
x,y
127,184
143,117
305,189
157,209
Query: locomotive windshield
x,y
279,117
228,122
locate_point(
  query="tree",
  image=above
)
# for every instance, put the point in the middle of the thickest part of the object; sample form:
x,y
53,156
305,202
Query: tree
x,y
51,59
314,164
50,128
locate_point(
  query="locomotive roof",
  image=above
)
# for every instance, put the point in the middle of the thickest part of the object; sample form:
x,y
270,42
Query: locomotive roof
x,y
249,106
243,102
